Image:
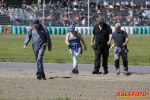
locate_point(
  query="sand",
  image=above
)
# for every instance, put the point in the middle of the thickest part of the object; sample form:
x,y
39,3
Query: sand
x,y
84,86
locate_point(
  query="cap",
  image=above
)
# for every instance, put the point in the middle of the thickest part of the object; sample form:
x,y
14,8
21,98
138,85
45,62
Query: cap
x,y
36,22
72,26
100,19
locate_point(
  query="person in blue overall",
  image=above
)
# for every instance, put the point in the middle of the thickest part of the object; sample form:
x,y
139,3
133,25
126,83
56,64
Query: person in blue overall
x,y
40,37
75,48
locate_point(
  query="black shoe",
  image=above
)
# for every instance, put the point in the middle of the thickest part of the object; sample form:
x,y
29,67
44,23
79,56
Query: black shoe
x,y
95,72
38,76
74,71
105,72
43,78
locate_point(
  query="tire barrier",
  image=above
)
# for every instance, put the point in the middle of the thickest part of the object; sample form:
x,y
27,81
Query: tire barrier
x,y
148,30
23,29
65,30
19,30
1,29
5,29
139,30
54,30
49,30
14,30
58,30
62,30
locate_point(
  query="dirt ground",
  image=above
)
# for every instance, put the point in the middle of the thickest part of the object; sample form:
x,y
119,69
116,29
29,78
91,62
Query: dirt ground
x,y
84,86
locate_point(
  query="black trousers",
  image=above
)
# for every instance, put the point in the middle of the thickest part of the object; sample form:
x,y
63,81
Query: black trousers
x,y
104,51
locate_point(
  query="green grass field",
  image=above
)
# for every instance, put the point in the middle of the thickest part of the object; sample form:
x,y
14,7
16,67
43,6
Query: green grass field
x,y
11,50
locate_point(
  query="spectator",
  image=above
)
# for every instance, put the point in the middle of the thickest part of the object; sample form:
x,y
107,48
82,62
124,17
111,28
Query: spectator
x,y
83,22
54,5
112,14
108,14
122,9
3,3
0,3
148,22
23,5
96,8
58,4
39,1
144,16
69,4
92,8
33,4
143,3
98,4
127,3
64,5
91,3
114,4
102,4
6,6
132,4
80,4
142,8
147,3
65,23
51,4
36,8
136,23
75,4
105,4
123,4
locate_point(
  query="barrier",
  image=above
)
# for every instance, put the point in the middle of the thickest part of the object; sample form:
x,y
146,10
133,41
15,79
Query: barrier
x,y
62,30
91,30
140,30
49,30
54,30
127,30
14,29
144,30
19,30
113,29
123,28
80,30
8,29
1,29
148,30
23,29
84,30
131,30
5,29
135,30
58,30
66,30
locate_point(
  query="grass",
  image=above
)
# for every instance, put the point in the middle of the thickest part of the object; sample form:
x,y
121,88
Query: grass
x,y
11,50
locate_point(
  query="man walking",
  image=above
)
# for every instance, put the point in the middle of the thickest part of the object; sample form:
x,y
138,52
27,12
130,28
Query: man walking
x,y
40,36
102,34
120,40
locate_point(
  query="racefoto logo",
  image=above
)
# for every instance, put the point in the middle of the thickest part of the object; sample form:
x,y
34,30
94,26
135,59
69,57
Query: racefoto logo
x,y
132,94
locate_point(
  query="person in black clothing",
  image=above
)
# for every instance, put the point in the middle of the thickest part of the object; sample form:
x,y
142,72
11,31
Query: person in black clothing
x,y
102,34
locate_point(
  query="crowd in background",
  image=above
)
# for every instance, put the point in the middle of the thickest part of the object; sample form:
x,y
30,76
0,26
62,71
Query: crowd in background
x,y
76,12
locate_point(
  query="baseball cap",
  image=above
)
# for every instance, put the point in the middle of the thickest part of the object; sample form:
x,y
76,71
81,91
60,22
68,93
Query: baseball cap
x,y
35,22
100,19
